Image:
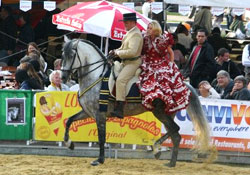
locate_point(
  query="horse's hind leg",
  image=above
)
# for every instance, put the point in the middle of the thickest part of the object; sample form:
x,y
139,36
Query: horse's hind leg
x,y
172,131
80,115
101,126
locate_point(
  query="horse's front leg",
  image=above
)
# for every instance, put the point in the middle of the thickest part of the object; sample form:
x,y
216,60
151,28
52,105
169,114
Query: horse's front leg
x,y
101,126
80,115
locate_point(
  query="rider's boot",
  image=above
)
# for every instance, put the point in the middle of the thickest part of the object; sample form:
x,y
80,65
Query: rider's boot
x,y
118,111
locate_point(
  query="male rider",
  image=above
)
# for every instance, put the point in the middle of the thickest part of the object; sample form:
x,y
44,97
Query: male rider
x,y
129,52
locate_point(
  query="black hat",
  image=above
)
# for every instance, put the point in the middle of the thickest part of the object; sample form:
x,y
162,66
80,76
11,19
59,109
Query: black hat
x,y
129,17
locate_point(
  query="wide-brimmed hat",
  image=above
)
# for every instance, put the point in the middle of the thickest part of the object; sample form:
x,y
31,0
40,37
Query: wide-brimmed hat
x,y
129,17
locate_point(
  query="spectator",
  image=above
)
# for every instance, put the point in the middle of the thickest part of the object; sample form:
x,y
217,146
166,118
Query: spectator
x,y
24,81
56,82
246,62
146,8
201,63
179,52
203,20
32,74
224,83
239,91
8,34
184,37
26,35
57,64
43,76
218,20
32,50
229,17
217,41
70,83
237,24
225,63
207,91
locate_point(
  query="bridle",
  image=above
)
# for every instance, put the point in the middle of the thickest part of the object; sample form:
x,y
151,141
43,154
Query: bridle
x,y
103,60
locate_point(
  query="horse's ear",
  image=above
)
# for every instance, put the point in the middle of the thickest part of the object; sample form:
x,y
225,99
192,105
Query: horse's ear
x,y
66,39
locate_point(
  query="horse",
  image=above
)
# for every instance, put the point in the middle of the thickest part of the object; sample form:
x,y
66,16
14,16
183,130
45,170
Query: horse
x,y
83,57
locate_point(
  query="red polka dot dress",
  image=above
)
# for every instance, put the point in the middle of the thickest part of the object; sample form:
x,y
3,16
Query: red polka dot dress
x,y
161,78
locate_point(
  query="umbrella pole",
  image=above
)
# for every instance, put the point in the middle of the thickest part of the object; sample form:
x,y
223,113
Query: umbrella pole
x,y
101,43
106,46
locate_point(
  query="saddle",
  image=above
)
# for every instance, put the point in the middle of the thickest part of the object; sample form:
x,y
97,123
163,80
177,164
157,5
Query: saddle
x,y
114,74
107,91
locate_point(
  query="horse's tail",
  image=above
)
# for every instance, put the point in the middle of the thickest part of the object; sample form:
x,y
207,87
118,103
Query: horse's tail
x,y
200,123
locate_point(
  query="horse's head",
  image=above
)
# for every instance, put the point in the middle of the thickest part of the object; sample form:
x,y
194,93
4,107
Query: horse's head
x,y
82,56
70,58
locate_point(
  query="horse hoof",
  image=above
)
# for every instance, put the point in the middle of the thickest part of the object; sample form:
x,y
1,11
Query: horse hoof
x,y
96,162
170,164
157,155
157,151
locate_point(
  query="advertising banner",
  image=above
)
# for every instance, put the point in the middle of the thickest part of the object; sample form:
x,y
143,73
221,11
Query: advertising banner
x,y
54,108
229,122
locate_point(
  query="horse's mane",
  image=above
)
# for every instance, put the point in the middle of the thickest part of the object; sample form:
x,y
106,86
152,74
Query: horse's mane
x,y
68,47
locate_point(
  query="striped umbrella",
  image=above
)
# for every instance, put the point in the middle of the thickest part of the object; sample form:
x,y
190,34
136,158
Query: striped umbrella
x,y
98,17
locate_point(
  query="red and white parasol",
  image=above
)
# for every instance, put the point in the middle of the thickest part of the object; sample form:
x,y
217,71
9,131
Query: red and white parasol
x,y
98,17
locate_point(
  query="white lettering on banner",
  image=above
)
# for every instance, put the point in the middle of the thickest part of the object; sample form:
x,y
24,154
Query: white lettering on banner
x,y
61,19
189,141
76,24
225,144
118,34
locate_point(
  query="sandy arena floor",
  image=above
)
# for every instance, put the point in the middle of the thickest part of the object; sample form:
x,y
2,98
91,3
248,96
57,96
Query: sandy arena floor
x,y
48,165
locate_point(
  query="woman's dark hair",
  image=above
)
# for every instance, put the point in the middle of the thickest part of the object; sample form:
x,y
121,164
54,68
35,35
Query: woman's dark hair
x,y
35,64
21,76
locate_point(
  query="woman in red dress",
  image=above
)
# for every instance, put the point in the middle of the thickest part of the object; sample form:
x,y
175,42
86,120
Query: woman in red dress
x,y
160,77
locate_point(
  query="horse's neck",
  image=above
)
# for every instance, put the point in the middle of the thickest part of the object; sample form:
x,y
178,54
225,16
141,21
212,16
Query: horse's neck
x,y
90,76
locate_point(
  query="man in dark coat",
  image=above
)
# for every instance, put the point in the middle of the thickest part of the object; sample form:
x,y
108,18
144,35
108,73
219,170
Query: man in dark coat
x,y
201,63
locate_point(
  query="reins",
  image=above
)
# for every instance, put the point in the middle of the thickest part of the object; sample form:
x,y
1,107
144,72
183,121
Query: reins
x,y
104,60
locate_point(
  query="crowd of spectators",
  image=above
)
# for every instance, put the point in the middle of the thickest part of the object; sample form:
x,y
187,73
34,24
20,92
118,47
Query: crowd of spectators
x,y
204,60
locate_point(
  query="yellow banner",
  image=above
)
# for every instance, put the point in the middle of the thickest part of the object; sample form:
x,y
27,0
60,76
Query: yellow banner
x,y
54,108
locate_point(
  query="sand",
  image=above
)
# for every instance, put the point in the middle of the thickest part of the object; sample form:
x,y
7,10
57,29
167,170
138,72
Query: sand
x,y
53,165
